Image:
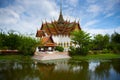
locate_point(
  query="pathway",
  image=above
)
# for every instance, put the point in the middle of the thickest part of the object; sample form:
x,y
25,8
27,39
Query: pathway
x,y
55,55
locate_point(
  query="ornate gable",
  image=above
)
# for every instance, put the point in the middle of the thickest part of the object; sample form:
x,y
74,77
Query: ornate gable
x,y
48,41
65,29
40,33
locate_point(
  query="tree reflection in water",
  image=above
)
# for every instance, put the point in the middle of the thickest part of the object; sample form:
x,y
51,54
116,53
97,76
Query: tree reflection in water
x,y
102,71
18,71
60,70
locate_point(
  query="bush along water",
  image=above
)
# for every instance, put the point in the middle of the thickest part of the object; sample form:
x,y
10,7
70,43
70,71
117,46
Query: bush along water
x,y
27,45
59,48
82,40
11,41
99,44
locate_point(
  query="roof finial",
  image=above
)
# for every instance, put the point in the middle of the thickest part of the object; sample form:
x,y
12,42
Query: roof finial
x,y
42,21
60,19
78,20
61,7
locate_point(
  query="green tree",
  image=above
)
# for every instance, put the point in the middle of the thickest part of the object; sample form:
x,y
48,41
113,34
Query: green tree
x,y
82,39
115,42
115,37
3,38
12,41
100,42
72,51
59,48
27,45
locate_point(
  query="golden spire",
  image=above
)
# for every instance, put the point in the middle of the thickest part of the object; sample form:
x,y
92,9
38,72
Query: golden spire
x,y
60,19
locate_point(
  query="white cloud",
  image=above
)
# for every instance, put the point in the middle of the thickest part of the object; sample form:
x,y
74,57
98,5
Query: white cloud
x,y
91,1
25,16
109,15
40,8
117,29
8,16
90,23
94,8
110,31
99,31
72,2
108,5
37,11
71,18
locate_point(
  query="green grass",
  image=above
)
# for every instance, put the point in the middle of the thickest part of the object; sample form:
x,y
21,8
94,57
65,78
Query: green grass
x,y
15,57
77,57
96,56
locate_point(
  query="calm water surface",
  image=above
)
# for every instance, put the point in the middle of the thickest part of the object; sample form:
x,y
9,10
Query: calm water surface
x,y
60,70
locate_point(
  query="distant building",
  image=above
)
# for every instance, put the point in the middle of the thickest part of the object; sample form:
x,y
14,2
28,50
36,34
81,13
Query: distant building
x,y
59,31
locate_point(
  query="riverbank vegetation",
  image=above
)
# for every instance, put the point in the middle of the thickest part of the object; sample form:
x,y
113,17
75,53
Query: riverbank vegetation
x,y
98,44
76,58
59,48
82,41
16,58
12,41
96,56
85,44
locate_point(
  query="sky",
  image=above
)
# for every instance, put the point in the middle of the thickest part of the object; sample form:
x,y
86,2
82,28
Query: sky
x,y
26,16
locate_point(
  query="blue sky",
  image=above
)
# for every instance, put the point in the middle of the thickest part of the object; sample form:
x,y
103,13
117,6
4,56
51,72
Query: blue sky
x,y
26,16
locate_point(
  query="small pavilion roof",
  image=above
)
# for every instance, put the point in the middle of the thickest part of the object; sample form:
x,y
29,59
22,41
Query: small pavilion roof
x,y
48,41
50,44
40,33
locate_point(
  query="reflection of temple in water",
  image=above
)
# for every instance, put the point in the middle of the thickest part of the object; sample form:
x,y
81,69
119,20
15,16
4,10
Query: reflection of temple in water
x,y
60,70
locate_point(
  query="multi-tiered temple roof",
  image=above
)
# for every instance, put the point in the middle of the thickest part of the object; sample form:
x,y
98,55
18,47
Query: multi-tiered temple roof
x,y
59,27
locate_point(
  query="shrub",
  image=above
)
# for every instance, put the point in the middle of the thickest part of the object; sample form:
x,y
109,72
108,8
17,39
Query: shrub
x,y
104,51
82,51
78,51
115,42
59,48
116,49
82,39
27,45
72,51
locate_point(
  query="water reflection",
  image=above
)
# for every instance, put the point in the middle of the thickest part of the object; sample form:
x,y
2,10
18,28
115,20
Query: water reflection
x,y
93,65
60,70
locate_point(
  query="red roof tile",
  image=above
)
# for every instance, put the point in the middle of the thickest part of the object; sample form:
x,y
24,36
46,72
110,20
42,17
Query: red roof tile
x,y
55,28
50,44
40,33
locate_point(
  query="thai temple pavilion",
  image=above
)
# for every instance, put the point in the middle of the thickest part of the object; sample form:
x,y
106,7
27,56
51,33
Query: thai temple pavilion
x,y
58,32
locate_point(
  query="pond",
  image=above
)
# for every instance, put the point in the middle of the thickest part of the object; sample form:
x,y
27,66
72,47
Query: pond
x,y
60,70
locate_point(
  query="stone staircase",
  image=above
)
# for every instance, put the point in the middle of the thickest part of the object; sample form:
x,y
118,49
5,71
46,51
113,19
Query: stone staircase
x,y
56,55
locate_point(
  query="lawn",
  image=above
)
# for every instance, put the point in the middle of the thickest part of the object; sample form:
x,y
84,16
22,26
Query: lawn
x,y
77,57
96,56
15,57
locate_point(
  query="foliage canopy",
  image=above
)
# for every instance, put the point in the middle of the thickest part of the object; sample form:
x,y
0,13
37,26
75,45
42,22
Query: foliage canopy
x,y
25,44
82,39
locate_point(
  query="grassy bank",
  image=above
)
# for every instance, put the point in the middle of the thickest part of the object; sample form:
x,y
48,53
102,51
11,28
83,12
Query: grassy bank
x,y
15,57
96,56
77,57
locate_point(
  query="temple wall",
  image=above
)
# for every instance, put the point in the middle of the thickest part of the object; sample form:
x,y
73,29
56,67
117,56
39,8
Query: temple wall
x,y
62,40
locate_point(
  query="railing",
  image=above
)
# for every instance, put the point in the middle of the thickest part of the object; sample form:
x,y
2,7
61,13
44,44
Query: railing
x,y
9,51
